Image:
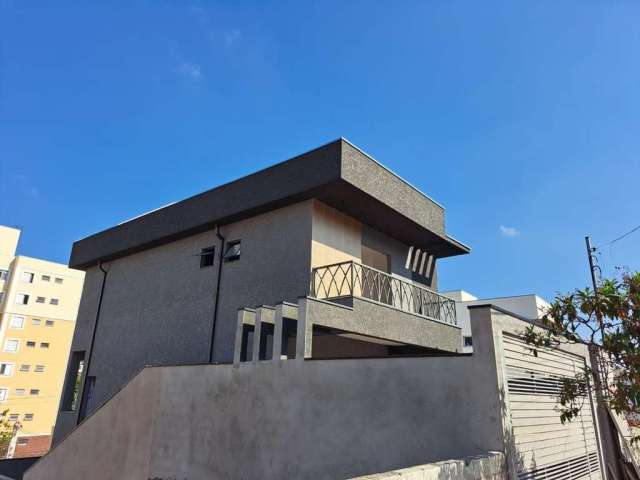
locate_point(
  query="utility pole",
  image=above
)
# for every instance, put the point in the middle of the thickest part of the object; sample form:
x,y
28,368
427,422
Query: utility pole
x,y
609,434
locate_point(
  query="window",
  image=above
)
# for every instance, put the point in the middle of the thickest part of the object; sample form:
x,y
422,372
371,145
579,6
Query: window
x,y
468,341
4,393
53,301
28,417
20,392
87,397
44,345
49,323
40,299
6,369
34,391
27,277
207,256
73,382
11,345
22,299
14,418
59,280
17,321
31,344
45,278
25,367
233,251
36,321
4,274
21,441
39,368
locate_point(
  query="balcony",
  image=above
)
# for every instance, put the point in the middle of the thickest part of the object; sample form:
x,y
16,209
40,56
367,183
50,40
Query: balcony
x,y
351,279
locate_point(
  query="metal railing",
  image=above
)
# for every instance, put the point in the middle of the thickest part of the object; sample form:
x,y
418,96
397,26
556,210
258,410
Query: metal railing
x,y
351,279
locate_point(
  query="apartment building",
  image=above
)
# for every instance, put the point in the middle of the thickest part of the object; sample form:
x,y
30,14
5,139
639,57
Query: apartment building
x,y
38,308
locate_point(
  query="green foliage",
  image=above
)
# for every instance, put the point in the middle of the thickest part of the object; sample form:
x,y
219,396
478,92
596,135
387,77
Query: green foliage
x,y
8,430
609,323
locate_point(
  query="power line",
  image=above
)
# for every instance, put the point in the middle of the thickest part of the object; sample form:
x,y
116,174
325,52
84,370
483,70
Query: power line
x,y
620,237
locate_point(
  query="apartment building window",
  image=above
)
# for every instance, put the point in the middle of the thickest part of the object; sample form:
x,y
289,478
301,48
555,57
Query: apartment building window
x,y
4,274
25,367
45,278
54,301
39,368
14,418
6,369
28,417
20,392
74,378
31,344
207,257
36,321
59,280
17,321
233,251
4,393
27,277
49,323
40,299
21,441
11,345
34,391
22,299
44,344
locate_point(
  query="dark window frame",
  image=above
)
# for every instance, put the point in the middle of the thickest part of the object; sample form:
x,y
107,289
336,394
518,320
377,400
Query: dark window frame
x,y
233,251
74,381
207,257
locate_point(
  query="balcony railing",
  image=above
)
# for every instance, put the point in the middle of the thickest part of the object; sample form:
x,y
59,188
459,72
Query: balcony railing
x,y
351,279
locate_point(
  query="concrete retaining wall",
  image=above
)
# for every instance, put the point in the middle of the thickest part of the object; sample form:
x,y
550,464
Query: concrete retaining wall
x,y
482,467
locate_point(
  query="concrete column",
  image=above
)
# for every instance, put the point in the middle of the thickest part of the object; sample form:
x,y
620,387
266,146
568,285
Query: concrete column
x,y
257,334
237,348
304,336
277,333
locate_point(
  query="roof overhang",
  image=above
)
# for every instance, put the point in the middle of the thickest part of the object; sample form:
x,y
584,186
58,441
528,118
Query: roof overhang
x,y
338,174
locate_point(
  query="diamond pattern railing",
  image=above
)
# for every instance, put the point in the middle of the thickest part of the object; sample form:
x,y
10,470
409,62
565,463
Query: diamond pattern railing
x,y
351,279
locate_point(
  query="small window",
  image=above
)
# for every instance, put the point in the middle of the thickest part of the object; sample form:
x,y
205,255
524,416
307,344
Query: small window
x,y
53,301
39,368
45,278
11,345
233,251
20,392
27,277
49,323
25,367
14,418
17,321
207,257
4,393
4,274
6,369
40,299
28,417
34,391
44,345
31,344
21,441
36,321
468,341
22,299
59,280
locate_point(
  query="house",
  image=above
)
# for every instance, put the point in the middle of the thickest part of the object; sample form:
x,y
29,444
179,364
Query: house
x,y
288,325
38,306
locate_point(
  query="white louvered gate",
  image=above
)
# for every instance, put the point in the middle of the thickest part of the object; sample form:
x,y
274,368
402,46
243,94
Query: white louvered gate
x,y
546,449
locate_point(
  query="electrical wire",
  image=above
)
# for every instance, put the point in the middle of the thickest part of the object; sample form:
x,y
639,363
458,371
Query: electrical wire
x,y
620,237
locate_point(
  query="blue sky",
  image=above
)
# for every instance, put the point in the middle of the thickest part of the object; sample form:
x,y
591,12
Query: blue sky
x,y
522,118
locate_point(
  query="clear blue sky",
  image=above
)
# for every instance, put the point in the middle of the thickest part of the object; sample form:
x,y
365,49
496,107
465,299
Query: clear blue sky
x,y
520,114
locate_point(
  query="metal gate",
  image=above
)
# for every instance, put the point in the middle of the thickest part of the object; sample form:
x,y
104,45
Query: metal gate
x,y
545,449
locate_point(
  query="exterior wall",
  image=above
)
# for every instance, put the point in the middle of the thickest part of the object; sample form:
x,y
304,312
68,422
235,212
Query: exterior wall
x,y
32,446
336,237
30,393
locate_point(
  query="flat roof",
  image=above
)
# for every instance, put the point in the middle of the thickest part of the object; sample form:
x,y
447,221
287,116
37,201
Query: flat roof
x,y
337,173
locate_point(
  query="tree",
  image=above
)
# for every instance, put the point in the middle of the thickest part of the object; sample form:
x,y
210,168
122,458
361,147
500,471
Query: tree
x,y
8,430
608,322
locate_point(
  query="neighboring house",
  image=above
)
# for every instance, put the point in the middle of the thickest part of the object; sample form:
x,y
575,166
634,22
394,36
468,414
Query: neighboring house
x,y
288,325
531,307
38,307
